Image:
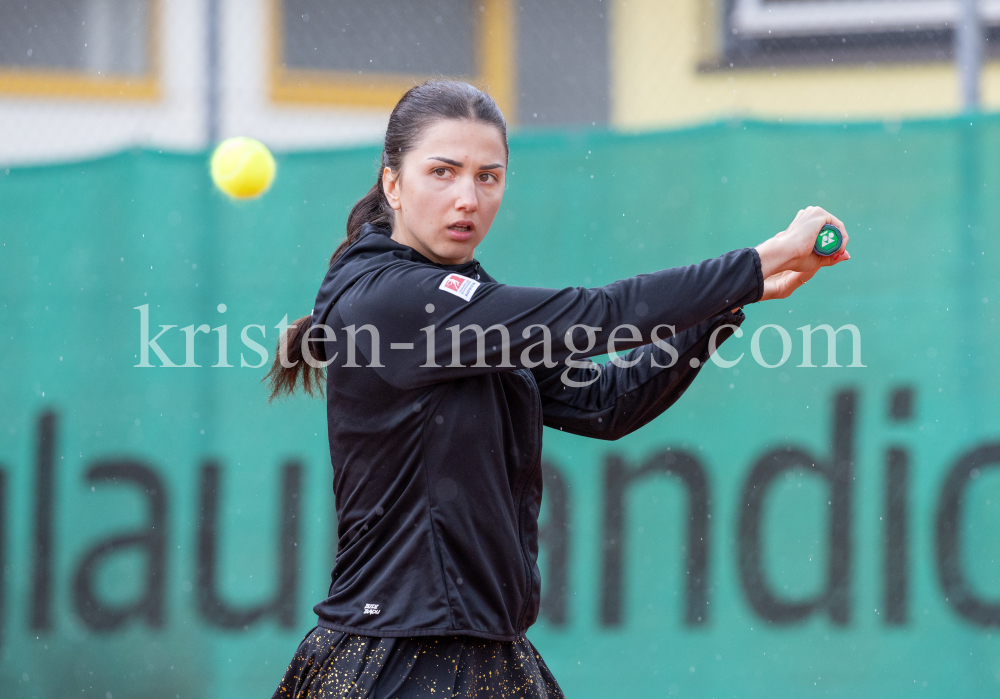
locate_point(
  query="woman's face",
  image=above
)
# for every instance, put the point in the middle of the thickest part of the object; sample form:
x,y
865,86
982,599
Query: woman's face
x,y
449,189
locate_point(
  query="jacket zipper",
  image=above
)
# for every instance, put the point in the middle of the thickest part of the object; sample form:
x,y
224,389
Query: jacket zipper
x,y
520,506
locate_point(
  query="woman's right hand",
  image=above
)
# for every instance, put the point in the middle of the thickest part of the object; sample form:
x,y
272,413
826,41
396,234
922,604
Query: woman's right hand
x,y
787,260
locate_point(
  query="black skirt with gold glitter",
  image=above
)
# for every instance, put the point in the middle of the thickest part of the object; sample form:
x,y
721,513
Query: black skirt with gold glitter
x,y
336,665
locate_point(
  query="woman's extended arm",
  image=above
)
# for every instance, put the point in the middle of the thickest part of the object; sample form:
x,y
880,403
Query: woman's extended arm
x,y
428,334
620,397
433,334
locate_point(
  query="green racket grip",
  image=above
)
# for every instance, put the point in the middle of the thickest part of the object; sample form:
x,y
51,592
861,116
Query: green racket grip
x,y
829,241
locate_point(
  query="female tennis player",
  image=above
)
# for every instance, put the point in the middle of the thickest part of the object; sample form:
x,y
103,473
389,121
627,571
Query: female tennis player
x,y
438,382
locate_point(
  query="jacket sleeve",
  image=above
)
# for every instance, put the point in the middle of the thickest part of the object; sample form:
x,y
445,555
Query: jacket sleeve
x,y
414,333
611,400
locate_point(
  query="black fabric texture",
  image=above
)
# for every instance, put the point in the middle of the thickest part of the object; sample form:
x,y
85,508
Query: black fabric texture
x,y
436,442
336,665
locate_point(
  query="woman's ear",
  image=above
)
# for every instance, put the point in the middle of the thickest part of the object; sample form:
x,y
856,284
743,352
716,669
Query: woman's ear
x,y
390,185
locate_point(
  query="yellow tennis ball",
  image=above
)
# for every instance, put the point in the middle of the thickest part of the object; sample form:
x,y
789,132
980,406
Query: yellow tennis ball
x,y
242,167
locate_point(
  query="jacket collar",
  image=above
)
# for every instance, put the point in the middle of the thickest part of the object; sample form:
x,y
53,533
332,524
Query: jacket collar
x,y
374,249
472,266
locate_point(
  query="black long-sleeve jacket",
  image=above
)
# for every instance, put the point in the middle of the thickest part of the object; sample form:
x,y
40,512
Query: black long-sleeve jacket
x,y
436,435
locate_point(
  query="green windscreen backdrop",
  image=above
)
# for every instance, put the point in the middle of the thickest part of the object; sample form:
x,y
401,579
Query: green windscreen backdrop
x,y
798,524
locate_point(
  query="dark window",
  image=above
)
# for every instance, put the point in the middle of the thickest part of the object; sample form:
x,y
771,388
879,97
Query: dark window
x,y
429,37
562,62
107,37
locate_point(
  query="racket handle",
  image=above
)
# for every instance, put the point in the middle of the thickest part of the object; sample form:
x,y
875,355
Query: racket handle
x,y
829,241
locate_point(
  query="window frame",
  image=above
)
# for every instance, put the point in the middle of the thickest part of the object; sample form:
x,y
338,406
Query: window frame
x,y
808,18
810,33
495,69
78,84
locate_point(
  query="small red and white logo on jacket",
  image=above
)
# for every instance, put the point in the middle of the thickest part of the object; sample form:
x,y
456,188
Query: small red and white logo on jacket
x,y
462,287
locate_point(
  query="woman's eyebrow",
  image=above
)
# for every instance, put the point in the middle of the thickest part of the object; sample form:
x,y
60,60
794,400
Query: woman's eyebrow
x,y
446,160
449,161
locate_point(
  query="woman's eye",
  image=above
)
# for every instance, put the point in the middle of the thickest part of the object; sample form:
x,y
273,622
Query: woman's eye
x,y
440,172
487,177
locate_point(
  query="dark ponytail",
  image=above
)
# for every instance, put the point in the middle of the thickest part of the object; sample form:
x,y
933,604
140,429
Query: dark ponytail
x,y
417,109
284,378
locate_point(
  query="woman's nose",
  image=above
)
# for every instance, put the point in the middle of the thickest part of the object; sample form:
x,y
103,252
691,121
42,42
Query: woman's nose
x,y
467,198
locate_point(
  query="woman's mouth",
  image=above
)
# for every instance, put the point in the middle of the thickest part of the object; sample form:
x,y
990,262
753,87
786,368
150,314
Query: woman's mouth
x,y
461,230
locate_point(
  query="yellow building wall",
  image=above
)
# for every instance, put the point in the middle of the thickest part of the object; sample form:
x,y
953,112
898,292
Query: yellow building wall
x,y
657,45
